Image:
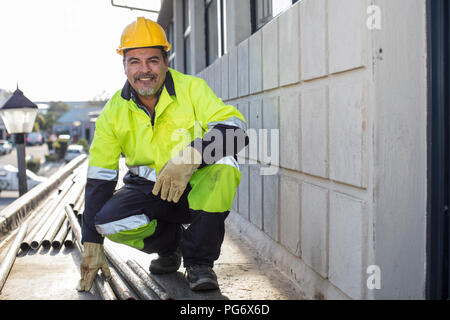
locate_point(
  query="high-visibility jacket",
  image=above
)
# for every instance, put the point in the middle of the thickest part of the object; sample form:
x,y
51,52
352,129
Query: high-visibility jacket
x,y
186,109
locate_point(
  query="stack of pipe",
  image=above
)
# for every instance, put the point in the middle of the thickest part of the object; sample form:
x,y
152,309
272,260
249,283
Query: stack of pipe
x,y
143,285
52,227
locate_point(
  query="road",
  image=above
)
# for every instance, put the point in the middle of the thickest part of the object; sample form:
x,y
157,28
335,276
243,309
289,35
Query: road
x,y
6,197
35,151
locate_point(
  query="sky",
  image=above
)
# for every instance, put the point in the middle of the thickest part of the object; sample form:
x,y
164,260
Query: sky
x,y
64,50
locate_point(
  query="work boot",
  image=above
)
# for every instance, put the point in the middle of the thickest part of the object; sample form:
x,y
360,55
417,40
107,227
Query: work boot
x,y
201,277
166,264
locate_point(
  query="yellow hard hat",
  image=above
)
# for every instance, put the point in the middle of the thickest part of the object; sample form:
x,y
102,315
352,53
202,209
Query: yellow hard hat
x,y
143,33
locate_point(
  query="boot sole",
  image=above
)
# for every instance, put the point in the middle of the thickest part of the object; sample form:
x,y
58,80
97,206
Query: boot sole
x,y
204,284
163,271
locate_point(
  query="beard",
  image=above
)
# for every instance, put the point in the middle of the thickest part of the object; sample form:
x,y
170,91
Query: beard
x,y
147,91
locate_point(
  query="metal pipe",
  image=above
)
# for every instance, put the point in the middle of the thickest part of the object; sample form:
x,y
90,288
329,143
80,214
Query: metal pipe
x,y
31,219
25,245
120,287
61,235
80,172
79,205
103,287
54,228
39,237
10,257
57,213
65,186
151,284
75,193
133,280
68,241
35,217
74,224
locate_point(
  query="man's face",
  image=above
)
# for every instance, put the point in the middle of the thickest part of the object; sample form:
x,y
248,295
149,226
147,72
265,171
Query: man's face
x,y
145,69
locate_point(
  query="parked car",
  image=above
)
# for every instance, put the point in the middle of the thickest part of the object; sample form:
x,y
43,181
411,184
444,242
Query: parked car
x,y
35,138
9,178
5,147
73,151
64,136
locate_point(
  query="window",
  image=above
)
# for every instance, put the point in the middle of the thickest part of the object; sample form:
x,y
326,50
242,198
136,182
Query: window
x,y
187,38
261,13
171,40
187,55
264,10
214,23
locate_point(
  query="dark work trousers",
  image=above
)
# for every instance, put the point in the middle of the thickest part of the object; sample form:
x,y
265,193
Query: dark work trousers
x,y
200,242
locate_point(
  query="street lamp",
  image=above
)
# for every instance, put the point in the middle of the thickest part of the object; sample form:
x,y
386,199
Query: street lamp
x,y
18,114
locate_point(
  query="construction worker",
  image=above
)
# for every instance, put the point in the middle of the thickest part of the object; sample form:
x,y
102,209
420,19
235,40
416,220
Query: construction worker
x,y
180,143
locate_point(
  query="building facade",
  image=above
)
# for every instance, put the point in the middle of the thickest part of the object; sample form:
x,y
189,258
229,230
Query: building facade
x,y
342,203
77,122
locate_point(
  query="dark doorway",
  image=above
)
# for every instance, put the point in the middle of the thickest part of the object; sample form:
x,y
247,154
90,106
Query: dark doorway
x,y
438,226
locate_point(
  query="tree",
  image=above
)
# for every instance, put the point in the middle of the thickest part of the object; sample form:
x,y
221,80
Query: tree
x,y
39,123
50,119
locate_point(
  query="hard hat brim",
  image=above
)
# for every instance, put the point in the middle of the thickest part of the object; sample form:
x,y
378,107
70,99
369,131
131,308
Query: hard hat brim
x,y
120,50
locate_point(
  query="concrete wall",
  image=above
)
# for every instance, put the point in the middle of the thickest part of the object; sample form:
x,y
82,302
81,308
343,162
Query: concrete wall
x,y
350,187
400,158
307,73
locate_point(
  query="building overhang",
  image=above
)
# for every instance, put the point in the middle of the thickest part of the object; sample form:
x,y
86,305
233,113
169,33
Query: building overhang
x,y
165,13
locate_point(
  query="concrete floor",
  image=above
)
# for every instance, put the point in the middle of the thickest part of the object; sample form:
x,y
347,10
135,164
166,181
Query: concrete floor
x,y
49,274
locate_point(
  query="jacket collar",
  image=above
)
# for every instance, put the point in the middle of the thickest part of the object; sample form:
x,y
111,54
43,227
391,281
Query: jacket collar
x,y
128,92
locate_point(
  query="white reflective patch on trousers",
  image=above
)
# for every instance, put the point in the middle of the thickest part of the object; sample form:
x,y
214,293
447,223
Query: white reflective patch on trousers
x,y
128,223
230,161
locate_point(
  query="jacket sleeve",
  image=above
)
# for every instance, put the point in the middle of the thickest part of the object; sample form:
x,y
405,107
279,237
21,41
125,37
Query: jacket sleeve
x,y
103,171
224,125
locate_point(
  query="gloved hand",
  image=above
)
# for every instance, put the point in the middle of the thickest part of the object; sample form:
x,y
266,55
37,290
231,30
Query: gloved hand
x,y
176,173
92,259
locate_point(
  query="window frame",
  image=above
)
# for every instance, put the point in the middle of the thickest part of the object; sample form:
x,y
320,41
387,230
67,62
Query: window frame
x,y
219,30
187,37
256,22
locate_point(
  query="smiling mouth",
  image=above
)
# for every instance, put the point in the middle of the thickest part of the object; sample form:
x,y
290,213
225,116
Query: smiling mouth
x,y
145,78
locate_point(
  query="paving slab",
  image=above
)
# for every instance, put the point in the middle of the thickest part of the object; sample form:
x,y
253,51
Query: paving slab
x,y
45,274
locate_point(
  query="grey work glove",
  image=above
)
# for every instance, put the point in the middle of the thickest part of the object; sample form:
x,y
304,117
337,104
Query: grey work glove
x,y
92,259
176,173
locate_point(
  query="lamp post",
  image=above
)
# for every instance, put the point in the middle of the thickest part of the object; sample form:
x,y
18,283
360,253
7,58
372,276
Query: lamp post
x,y
18,114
